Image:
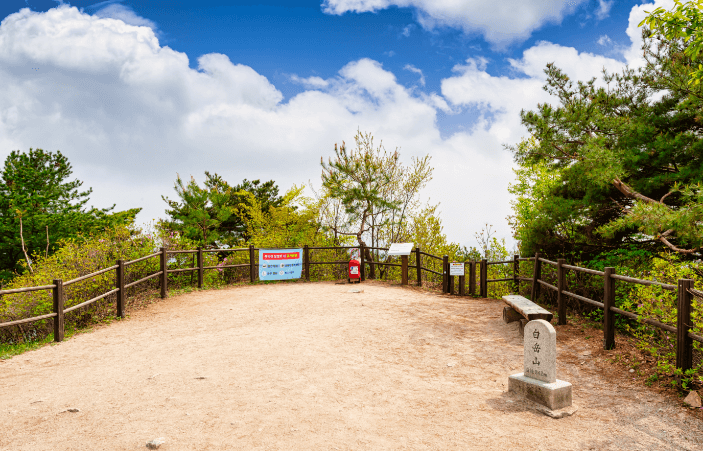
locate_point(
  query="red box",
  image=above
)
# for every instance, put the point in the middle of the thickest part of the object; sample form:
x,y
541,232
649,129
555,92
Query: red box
x,y
354,274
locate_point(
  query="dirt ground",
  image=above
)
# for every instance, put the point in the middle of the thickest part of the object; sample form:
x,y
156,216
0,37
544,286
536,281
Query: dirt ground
x,y
311,366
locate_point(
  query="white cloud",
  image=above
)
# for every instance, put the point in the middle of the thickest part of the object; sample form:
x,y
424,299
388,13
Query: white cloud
x,y
130,114
605,40
415,70
501,22
603,10
310,82
126,15
406,31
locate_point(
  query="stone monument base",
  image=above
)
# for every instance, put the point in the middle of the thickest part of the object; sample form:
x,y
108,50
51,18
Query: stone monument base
x,y
555,395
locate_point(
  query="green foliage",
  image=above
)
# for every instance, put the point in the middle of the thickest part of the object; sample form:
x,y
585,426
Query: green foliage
x,y
369,194
218,214
656,303
682,23
85,255
615,165
291,223
37,199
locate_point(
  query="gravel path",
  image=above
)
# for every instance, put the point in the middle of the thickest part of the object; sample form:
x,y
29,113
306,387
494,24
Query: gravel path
x,y
311,366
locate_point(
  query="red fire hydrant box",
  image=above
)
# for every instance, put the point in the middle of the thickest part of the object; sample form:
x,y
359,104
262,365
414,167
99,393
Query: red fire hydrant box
x,y
354,271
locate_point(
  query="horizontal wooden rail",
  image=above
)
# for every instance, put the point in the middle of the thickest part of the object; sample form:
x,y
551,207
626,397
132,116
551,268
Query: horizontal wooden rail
x,y
383,264
88,276
187,251
90,301
226,266
584,299
698,338
526,259
547,261
586,270
665,286
696,293
548,285
337,247
507,279
639,318
28,320
430,255
500,263
26,289
433,272
170,271
142,258
528,279
228,249
143,279
377,248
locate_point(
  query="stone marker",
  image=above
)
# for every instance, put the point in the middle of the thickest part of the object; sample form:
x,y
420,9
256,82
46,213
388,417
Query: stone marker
x,y
539,381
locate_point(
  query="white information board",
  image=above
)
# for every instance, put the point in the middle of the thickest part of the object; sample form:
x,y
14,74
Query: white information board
x,y
400,249
456,269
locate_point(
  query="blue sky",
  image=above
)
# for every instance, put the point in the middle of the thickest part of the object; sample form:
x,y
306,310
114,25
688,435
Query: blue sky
x,y
269,86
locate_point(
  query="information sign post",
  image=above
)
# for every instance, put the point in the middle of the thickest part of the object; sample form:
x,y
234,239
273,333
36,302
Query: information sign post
x,y
456,269
402,250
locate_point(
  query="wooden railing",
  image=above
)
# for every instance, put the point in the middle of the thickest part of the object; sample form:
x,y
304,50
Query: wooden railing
x,y
685,289
57,287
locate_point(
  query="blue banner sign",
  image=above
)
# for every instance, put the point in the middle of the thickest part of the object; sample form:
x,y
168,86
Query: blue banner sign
x,y
280,264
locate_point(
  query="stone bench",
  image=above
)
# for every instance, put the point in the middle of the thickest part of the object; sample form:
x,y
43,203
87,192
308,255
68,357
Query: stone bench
x,y
522,309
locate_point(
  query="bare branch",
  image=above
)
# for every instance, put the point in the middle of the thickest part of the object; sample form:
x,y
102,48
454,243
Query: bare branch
x,y
24,248
632,194
674,248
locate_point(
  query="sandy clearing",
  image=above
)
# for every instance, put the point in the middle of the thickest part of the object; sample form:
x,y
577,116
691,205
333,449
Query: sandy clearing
x,y
311,366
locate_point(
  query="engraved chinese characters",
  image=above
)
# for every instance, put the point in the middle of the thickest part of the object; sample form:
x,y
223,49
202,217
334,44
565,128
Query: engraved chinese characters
x,y
540,351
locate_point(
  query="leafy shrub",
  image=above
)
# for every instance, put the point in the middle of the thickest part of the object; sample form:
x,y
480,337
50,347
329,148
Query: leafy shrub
x,y
78,257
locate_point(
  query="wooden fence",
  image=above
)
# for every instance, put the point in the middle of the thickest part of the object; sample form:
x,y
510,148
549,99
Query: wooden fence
x,y
684,289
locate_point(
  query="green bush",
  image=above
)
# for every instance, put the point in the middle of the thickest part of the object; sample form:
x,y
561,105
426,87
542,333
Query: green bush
x,y
82,256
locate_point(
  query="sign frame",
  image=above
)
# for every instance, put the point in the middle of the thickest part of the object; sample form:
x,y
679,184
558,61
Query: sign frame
x,y
457,269
282,264
401,249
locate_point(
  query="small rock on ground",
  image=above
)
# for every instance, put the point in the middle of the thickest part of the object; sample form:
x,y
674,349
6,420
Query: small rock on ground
x,y
156,443
561,413
693,399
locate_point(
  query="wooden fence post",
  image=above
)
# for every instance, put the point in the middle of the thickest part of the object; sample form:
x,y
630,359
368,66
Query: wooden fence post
x,y
252,271
403,269
561,286
608,315
536,275
472,278
516,274
418,263
462,283
119,284
484,278
445,274
58,309
164,273
450,287
200,267
362,264
306,262
684,343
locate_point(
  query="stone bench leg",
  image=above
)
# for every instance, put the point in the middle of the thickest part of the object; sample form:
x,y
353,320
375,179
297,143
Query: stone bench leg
x,y
511,315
